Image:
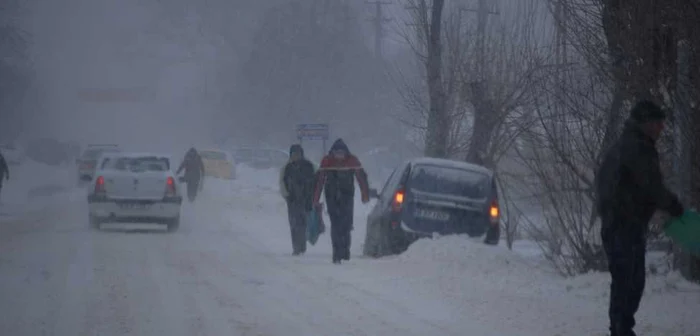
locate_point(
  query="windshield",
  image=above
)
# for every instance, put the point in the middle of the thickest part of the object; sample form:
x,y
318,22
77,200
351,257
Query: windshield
x,y
211,155
448,180
92,154
137,164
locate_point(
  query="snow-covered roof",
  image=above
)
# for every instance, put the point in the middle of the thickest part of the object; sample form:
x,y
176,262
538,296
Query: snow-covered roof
x,y
452,164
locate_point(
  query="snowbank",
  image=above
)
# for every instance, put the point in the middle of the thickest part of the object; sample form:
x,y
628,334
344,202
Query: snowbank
x,y
35,186
455,278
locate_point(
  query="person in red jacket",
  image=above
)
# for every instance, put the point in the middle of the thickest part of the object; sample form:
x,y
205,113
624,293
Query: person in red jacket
x,y
336,177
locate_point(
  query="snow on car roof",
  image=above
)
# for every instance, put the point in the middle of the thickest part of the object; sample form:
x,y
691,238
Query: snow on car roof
x,y
452,164
135,154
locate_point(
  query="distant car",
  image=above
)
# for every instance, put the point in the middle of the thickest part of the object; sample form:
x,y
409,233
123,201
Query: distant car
x,y
87,162
12,154
218,163
49,151
261,158
425,196
133,187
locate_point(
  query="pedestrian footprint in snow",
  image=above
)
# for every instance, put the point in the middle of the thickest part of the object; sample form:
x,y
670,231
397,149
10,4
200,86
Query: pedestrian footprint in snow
x,y
629,189
336,178
296,186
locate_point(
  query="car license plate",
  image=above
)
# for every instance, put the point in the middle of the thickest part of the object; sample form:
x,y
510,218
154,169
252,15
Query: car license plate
x,y
135,206
432,214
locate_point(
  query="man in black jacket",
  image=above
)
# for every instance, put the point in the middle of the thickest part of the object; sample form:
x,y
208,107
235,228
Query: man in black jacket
x,y
296,186
630,188
4,171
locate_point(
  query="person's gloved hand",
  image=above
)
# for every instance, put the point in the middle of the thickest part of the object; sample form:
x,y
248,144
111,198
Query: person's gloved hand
x,y
365,199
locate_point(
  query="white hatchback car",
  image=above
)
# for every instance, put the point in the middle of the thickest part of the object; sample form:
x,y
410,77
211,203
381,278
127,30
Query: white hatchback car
x,y
134,187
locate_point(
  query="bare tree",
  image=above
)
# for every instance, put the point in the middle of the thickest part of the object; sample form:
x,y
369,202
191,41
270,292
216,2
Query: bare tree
x,y
428,45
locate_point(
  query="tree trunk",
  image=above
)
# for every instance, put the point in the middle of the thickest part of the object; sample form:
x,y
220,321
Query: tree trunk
x,y
438,123
483,126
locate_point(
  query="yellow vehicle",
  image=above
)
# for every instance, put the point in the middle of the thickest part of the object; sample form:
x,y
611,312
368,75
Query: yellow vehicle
x,y
218,163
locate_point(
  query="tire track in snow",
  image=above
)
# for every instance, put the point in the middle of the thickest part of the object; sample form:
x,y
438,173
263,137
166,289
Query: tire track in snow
x,y
305,290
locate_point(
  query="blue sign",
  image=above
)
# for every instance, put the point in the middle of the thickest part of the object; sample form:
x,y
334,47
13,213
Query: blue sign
x,y
312,132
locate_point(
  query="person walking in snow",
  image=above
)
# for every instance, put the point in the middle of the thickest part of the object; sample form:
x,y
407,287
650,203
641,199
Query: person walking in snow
x,y
629,189
297,179
336,177
194,172
4,171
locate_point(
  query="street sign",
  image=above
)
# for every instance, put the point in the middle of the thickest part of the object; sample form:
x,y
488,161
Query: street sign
x,y
312,131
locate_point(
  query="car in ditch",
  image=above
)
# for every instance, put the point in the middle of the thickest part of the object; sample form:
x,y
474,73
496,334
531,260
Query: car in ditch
x,y
87,162
134,188
427,196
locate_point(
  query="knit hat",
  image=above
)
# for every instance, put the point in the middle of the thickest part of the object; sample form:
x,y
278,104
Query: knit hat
x,y
647,111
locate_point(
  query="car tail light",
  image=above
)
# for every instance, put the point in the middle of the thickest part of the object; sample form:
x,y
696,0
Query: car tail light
x,y
398,200
494,213
100,185
170,186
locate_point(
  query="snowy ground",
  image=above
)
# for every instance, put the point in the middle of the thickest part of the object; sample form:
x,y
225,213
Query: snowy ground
x,y
228,271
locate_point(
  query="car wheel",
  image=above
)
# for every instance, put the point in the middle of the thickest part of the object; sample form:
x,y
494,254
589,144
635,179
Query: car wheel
x,y
398,241
174,224
94,222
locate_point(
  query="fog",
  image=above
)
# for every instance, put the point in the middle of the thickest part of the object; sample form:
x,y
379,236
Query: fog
x,y
169,75
151,74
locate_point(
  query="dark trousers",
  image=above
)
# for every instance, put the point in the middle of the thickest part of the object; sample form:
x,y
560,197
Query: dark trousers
x,y
626,262
341,216
193,182
297,225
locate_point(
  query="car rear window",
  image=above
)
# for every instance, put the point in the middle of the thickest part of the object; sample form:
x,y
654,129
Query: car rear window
x,y
137,164
209,155
448,180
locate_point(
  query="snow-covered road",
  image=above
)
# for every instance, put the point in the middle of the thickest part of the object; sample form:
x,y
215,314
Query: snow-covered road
x,y
229,271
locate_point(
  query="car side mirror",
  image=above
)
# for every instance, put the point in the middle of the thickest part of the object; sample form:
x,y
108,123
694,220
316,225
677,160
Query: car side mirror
x,y
373,193
181,179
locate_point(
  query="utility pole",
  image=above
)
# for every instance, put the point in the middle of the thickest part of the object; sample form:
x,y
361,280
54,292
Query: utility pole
x,y
378,21
483,11
683,124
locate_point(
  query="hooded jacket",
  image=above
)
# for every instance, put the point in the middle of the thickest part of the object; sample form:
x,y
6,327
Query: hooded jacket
x,y
192,164
629,184
297,180
337,177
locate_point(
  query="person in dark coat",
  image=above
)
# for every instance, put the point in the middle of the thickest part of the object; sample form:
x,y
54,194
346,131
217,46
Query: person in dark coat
x,y
194,172
4,171
336,176
297,179
629,189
